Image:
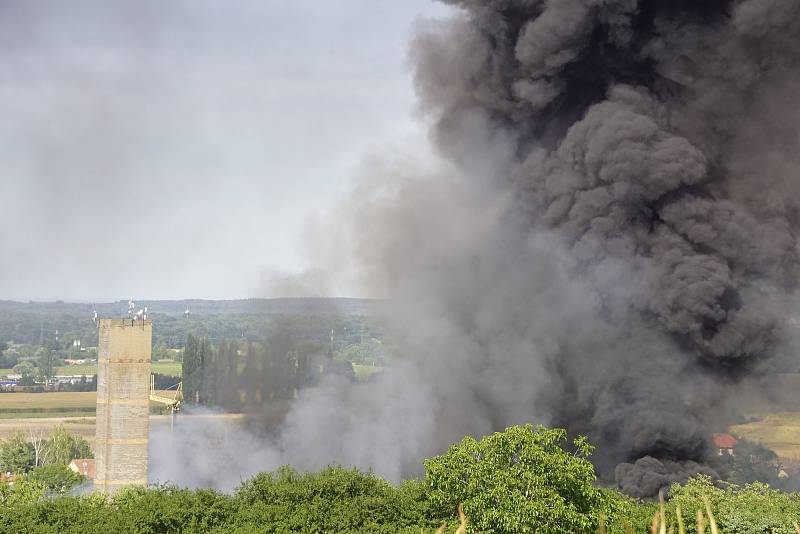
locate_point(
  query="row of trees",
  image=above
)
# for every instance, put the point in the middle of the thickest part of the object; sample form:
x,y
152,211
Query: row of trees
x,y
21,452
36,324
523,480
228,376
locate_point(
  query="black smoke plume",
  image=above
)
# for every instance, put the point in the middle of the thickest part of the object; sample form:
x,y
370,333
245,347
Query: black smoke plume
x,y
609,246
648,139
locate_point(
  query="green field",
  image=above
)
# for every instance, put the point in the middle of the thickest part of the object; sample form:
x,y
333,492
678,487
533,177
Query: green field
x,y
56,399
779,432
52,404
164,368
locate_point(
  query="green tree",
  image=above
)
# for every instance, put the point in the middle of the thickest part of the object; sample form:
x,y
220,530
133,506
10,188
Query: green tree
x,y
20,493
25,368
16,454
57,478
46,359
191,369
250,374
520,480
752,463
215,373
160,352
737,509
62,447
230,382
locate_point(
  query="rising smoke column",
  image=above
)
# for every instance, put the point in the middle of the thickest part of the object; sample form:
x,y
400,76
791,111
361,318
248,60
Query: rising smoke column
x,y
609,248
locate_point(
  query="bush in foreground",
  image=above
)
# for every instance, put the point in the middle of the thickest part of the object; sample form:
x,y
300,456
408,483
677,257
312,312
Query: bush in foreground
x,y
738,509
520,480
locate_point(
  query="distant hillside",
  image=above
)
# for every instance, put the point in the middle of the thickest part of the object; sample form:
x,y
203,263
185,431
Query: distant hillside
x,y
346,306
35,322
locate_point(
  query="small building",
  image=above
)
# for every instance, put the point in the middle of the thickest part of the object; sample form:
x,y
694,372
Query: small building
x,y
83,466
70,379
725,444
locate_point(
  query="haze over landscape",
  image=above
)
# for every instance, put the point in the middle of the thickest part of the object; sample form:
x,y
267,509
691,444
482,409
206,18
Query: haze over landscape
x,y
358,234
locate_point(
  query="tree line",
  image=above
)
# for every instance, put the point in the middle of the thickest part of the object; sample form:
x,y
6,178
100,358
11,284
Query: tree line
x,y
523,480
231,374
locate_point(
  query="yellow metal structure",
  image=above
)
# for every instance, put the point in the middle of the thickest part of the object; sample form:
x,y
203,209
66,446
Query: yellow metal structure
x,y
172,402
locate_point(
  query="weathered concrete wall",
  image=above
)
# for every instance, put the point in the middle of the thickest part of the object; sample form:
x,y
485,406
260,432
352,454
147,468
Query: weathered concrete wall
x,y
123,392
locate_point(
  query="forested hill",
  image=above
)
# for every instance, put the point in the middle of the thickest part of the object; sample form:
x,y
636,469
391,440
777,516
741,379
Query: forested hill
x,y
346,306
36,322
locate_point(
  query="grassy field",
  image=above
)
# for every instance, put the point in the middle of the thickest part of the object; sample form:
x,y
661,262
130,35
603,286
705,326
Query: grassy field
x,y
164,368
779,432
58,400
53,404
85,426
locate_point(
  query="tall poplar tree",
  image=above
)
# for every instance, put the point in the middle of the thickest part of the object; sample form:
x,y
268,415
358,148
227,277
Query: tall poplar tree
x,y
192,370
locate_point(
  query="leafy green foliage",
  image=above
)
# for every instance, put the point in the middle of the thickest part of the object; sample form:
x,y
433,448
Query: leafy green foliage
x,y
738,509
46,359
56,478
62,447
741,509
25,368
334,500
754,462
18,494
519,480
16,454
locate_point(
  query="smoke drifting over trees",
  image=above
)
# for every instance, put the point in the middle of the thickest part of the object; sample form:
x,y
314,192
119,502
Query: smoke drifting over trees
x,y
612,249
608,249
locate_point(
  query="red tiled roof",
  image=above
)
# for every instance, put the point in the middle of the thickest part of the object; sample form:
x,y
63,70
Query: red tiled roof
x,y
83,466
724,441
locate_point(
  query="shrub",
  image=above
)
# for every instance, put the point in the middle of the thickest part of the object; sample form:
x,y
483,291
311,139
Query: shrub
x,y
20,493
16,454
520,480
57,478
334,500
62,447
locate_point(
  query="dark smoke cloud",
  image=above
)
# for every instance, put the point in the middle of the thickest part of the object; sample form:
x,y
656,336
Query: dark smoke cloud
x,y
632,133
608,248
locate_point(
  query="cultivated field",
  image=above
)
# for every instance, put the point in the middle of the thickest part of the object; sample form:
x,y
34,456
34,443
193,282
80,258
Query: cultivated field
x,y
85,426
779,432
164,368
52,404
60,404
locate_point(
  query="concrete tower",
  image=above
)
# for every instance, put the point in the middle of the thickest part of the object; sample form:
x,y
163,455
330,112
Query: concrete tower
x,y
123,393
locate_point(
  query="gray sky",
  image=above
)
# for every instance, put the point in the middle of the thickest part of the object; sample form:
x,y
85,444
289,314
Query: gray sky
x,y
179,149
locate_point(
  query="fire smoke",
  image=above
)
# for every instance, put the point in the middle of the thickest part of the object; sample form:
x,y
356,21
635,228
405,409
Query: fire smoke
x,y
607,249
